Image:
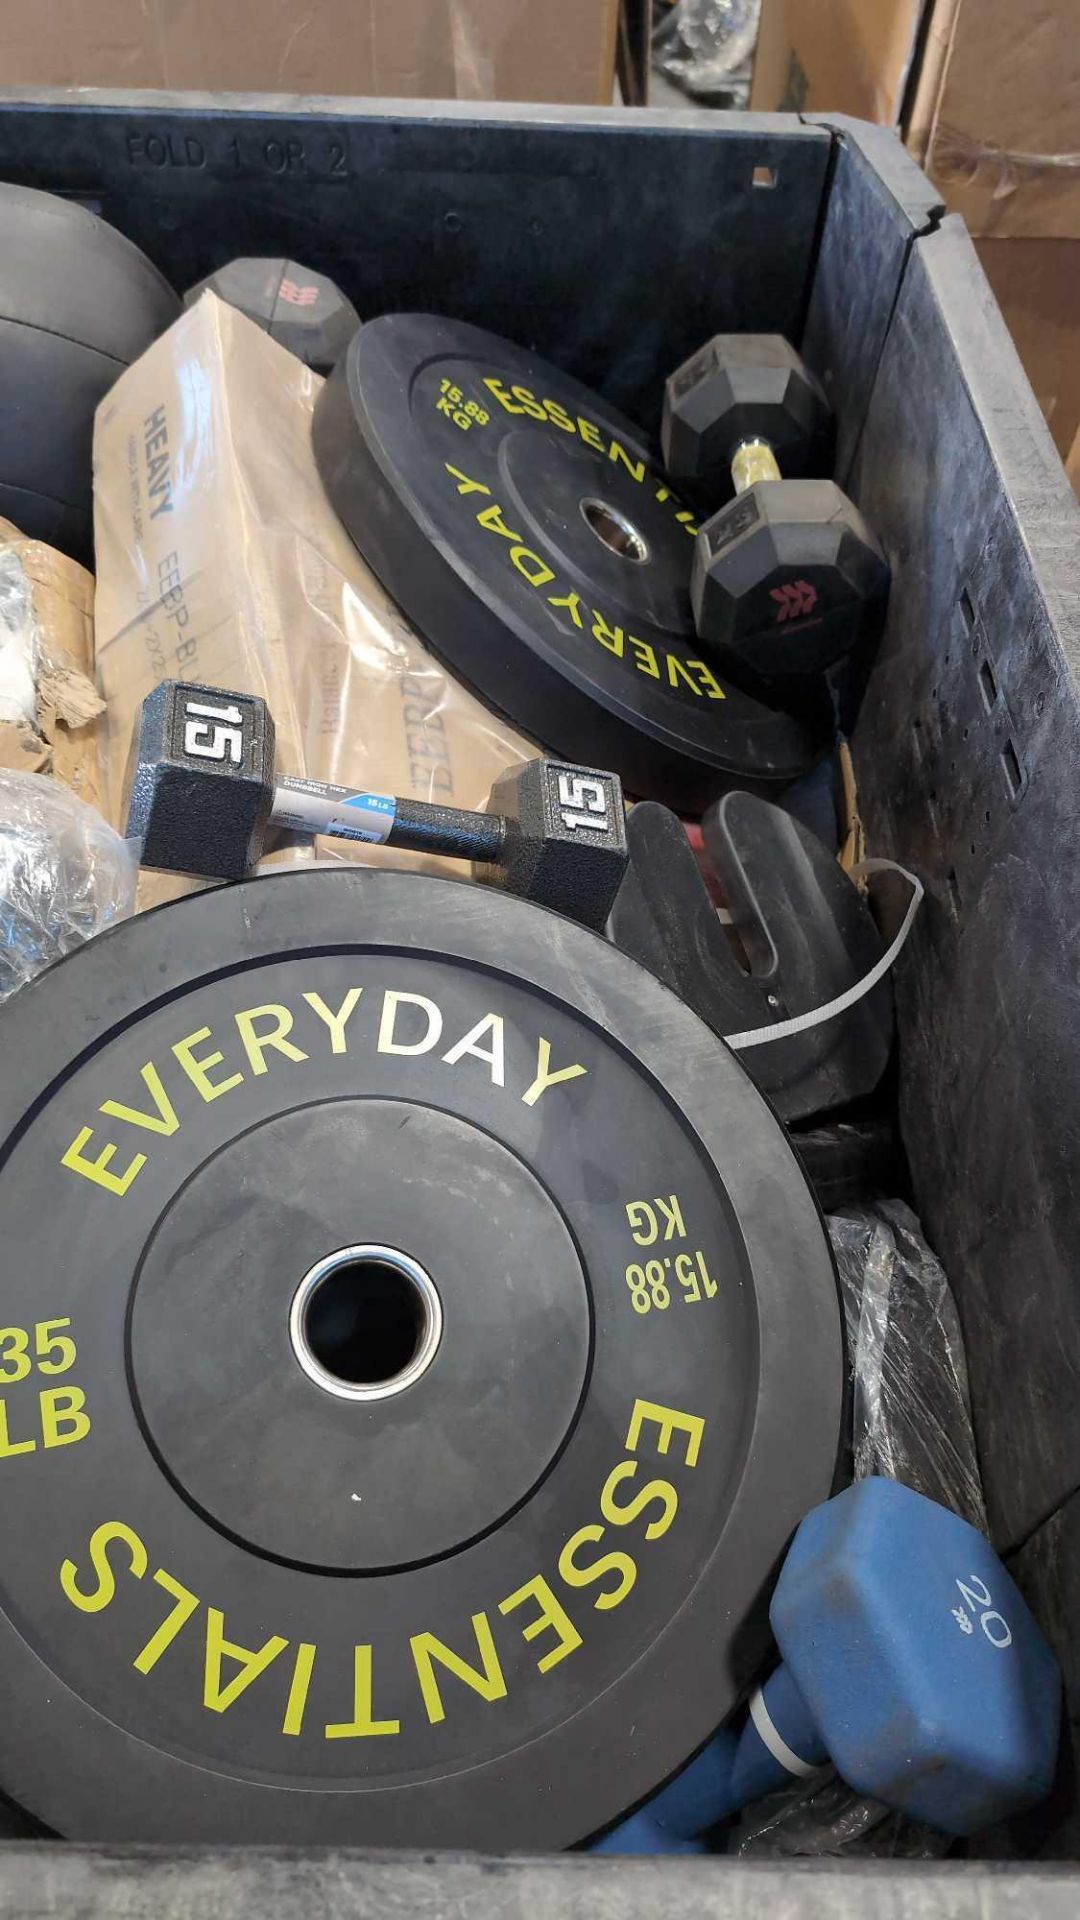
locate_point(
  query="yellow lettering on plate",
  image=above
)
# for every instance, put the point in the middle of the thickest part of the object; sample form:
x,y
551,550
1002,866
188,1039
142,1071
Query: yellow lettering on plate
x,y
617,1563
388,1041
552,1617
572,603
164,1120
198,1071
257,1045
336,1022
109,1533
635,468
361,1726
544,1076
466,485
670,1421
661,1490
98,1170
62,1418
493,1056
251,1662
298,1688
488,1681
186,1603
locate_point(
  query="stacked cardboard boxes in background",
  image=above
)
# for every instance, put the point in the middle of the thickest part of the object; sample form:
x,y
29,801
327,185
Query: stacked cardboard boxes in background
x,y
558,50
986,94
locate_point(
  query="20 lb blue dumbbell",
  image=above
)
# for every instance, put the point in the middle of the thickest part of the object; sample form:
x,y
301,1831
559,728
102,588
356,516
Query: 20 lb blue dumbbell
x,y
910,1661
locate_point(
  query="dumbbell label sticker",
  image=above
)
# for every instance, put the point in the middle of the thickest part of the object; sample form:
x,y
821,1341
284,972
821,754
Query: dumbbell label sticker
x,y
213,733
703,362
979,1599
731,524
308,806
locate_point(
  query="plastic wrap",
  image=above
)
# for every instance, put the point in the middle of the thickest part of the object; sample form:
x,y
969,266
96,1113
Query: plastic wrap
x,y
48,704
703,44
911,1410
911,1421
221,560
822,1818
64,875
958,156
18,643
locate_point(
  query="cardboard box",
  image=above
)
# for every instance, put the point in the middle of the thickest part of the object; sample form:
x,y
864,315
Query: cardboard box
x,y
985,92
221,560
843,56
558,50
1003,139
1037,286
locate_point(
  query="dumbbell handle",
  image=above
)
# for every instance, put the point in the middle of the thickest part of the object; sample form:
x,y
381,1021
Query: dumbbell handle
x,y
778,1743
349,813
753,460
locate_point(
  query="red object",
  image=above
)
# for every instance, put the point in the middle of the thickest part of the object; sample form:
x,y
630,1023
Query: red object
x,y
794,600
298,296
696,839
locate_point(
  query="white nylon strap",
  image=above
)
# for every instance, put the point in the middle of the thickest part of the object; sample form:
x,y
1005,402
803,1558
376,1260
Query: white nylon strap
x,y
776,1744
801,1022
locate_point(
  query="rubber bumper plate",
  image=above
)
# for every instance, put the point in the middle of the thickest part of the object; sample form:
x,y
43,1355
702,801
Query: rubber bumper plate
x,y
526,530
420,1345
78,303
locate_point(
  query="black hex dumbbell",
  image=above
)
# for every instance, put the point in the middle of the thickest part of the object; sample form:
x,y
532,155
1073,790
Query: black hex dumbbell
x,y
787,577
300,309
203,797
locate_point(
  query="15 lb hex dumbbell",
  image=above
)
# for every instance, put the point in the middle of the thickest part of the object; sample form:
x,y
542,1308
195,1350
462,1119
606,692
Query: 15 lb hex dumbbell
x,y
910,1661
203,797
788,576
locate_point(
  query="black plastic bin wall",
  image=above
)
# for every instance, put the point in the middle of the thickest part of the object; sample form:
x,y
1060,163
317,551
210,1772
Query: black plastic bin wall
x,y
614,243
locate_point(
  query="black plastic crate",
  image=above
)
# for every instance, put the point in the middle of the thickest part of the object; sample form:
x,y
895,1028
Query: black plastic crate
x,y
614,242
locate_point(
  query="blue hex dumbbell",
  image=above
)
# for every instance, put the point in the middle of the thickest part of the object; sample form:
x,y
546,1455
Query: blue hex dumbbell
x,y
910,1661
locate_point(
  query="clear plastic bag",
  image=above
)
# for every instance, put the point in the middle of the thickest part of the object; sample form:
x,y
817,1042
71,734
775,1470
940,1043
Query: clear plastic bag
x,y
18,642
64,875
48,703
702,44
911,1410
823,1818
911,1421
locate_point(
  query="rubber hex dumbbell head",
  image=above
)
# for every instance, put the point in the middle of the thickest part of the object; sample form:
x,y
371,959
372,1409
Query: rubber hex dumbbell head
x,y
927,1677
782,578
302,310
210,816
739,387
563,847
